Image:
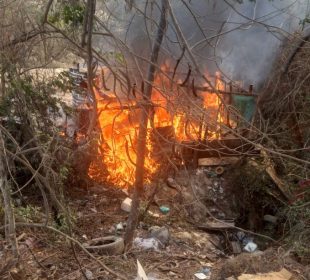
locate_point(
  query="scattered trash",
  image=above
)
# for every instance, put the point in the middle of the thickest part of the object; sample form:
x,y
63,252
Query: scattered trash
x,y
205,273
247,240
126,204
210,173
243,238
164,209
271,219
199,171
141,275
160,233
109,245
219,170
283,274
84,236
119,227
200,275
147,243
155,215
250,247
89,275
241,235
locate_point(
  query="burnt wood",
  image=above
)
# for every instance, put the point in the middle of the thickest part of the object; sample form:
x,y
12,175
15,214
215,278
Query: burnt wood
x,y
217,148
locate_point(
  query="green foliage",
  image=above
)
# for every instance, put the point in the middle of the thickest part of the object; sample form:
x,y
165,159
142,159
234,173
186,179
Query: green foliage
x,y
117,56
64,172
73,15
68,15
28,214
64,222
29,111
36,95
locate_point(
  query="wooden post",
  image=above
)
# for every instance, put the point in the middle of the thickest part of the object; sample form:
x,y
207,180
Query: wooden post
x,y
229,102
251,89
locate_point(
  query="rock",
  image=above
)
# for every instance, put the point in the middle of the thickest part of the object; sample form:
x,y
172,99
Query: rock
x,y
89,274
126,204
160,233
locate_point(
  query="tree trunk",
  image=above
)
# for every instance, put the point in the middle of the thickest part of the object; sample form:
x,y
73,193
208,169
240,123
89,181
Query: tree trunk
x,y
10,233
91,7
2,84
141,142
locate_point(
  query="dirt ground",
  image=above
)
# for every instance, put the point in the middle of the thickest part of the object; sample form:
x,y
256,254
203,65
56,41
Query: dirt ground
x,y
96,211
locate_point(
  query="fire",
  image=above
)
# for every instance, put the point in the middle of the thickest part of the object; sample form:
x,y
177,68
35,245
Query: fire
x,y
119,131
119,122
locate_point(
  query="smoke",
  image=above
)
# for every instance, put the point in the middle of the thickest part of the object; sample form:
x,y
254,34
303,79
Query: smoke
x,y
248,53
239,38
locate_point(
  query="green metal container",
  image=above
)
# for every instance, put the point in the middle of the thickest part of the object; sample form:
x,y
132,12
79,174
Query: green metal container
x,y
245,105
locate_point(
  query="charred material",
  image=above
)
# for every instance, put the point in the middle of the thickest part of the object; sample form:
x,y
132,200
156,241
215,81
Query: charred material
x,y
163,139
215,148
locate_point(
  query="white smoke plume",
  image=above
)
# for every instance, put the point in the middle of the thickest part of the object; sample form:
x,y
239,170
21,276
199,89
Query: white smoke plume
x,y
239,38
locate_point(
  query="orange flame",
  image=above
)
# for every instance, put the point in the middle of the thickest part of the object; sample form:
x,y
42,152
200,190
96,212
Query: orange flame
x,y
119,126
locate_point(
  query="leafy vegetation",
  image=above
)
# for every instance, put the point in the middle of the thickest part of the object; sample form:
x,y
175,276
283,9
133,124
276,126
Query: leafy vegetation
x,y
68,15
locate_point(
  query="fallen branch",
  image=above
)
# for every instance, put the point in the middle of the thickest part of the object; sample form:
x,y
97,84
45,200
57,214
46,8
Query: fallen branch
x,y
35,225
275,178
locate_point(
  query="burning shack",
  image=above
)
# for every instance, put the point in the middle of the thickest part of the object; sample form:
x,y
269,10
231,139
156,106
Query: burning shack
x,y
187,123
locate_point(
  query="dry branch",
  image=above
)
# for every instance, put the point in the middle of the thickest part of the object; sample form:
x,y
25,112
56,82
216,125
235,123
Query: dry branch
x,y
273,175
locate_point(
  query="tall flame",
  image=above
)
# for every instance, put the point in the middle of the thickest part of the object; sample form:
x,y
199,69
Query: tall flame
x,y
119,123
